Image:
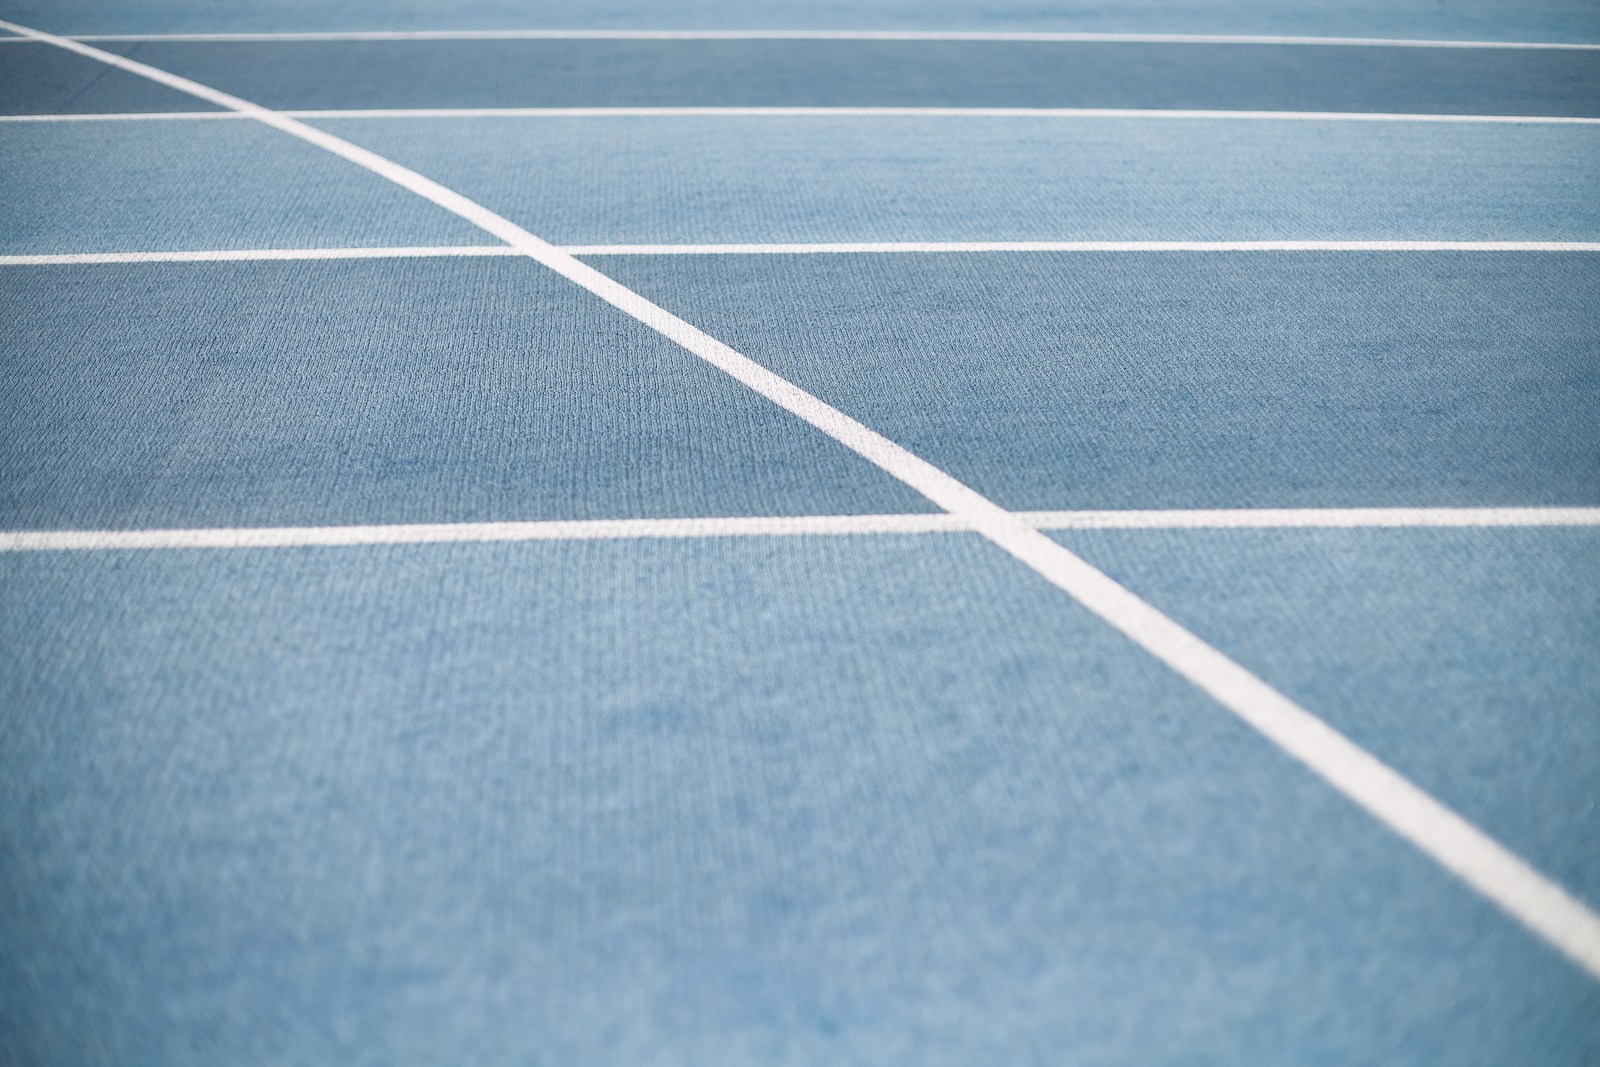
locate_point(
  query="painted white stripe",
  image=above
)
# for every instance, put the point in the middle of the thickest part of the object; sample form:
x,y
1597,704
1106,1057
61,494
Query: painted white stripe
x,y
1302,518
778,526
1017,36
840,248
928,112
439,533
126,116
1483,863
1185,114
242,255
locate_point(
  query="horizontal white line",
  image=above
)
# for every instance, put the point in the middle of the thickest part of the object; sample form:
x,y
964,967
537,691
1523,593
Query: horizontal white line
x,y
1080,246
240,255
555,530
125,116
1297,518
927,112
1018,36
782,526
243,255
1190,114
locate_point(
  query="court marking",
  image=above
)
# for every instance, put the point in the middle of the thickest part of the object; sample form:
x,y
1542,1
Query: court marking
x,y
248,255
1542,906
1015,36
1192,114
781,526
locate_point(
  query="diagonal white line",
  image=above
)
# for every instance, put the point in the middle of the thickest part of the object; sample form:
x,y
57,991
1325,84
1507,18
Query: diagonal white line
x,y
1016,36
1480,861
778,526
244,255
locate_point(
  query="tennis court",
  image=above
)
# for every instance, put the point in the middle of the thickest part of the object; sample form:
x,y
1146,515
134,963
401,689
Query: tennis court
x,y
953,532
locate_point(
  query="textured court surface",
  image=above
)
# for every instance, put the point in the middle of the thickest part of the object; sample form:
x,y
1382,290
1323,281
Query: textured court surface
x,y
409,656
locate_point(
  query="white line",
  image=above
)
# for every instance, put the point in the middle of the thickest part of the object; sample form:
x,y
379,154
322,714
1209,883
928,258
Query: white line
x,y
1176,114
888,247
1305,518
928,112
245,255
1019,36
779,526
126,116
1544,907
440,533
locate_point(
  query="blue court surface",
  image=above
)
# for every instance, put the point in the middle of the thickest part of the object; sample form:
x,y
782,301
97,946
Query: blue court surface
x,y
958,532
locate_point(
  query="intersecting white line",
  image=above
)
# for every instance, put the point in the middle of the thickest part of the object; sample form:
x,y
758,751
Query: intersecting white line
x,y
1544,907
779,526
245,255
1188,114
1016,36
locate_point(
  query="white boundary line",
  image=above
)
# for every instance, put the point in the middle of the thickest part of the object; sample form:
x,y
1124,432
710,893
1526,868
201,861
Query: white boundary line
x,y
252,255
125,116
1017,36
783,526
1310,518
248,255
1176,114
452,533
892,247
1562,920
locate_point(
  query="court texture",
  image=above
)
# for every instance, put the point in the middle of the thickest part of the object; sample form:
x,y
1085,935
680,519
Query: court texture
x,y
754,533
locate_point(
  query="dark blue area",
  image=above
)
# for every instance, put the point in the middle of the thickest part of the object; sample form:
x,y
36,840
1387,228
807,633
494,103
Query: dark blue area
x,y
44,80
1096,380
379,391
1464,658
848,800
577,73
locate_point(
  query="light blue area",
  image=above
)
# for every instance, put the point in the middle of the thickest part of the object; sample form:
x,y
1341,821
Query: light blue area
x,y
768,179
152,185
298,75
1464,658
1174,380
879,800
1556,20
280,394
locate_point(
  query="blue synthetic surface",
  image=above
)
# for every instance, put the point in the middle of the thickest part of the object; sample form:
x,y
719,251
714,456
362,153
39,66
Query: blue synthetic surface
x,y
40,80
1178,380
872,799
1465,656
153,186
865,800
400,74
699,180
328,393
